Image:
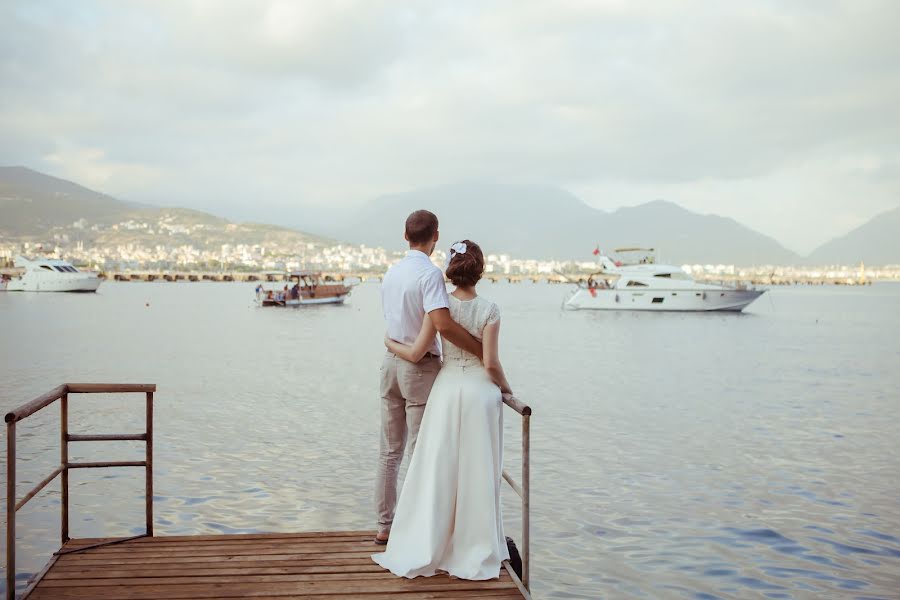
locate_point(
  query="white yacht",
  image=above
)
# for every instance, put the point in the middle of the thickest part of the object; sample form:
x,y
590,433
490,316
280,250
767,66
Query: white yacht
x,y
51,275
645,285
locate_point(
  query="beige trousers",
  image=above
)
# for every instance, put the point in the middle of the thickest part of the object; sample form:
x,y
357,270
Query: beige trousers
x,y
405,387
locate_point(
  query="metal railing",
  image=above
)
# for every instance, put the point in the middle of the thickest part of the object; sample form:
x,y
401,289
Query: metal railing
x,y
61,393
523,490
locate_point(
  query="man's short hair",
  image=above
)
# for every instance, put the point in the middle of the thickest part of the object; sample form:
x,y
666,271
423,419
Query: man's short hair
x,y
421,226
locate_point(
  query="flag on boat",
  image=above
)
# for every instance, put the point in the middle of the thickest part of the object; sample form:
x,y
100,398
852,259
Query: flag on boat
x,y
597,250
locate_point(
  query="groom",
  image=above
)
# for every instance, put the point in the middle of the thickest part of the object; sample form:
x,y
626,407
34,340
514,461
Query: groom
x,y
411,289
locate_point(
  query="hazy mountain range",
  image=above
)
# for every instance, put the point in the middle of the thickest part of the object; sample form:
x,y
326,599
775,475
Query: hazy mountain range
x,y
525,221
548,222
33,206
876,242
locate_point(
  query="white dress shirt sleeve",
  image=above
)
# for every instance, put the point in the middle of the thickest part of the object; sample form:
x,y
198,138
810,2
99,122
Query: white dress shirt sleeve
x,y
434,291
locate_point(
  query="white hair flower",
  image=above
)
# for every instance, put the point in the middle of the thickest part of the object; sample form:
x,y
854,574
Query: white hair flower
x,y
457,248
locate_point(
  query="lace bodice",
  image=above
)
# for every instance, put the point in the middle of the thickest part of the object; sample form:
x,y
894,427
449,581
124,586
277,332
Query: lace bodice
x,y
473,315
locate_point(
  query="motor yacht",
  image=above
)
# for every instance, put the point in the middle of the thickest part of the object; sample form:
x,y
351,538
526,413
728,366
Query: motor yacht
x,y
51,275
646,285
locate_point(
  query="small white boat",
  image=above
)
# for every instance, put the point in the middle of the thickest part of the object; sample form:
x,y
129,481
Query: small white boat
x,y
51,275
308,288
645,285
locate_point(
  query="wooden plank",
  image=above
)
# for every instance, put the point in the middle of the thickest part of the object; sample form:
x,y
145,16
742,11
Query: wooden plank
x,y
107,437
101,465
34,492
35,405
232,536
97,572
240,590
236,549
229,547
344,557
410,595
375,595
148,459
209,579
239,576
212,563
109,388
337,558
224,541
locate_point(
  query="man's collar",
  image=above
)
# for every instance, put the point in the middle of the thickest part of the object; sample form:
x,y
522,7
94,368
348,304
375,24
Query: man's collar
x,y
417,254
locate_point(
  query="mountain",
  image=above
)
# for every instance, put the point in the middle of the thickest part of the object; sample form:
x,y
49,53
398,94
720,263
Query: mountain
x,y
537,221
39,207
32,202
875,242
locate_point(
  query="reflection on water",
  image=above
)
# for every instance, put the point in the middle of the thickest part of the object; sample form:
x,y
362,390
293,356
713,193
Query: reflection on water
x,y
674,456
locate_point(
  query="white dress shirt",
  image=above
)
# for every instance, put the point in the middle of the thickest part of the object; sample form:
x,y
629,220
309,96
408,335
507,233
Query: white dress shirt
x,y
412,288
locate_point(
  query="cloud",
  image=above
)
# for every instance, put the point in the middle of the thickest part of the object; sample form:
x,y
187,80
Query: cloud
x,y
783,115
90,167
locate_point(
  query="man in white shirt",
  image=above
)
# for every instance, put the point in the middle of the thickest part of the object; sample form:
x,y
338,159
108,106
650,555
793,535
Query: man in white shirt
x,y
411,289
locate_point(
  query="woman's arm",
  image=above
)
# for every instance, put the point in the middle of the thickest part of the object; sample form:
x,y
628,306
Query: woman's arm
x,y
415,352
491,344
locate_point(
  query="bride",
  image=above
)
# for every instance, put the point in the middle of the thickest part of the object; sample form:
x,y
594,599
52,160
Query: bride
x,y
448,517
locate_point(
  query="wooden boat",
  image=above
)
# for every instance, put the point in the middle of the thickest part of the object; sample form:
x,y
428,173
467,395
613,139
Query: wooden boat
x,y
309,288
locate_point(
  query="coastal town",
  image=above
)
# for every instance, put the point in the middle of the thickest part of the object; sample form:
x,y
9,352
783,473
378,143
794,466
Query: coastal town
x,y
166,245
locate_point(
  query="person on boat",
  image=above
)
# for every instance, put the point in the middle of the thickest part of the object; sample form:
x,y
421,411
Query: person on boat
x,y
411,289
449,517
295,291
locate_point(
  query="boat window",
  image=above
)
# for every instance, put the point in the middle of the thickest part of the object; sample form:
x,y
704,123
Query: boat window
x,y
46,267
664,275
635,284
73,269
658,300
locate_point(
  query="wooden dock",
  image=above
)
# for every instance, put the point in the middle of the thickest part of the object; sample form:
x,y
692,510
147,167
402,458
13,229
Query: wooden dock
x,y
305,566
265,566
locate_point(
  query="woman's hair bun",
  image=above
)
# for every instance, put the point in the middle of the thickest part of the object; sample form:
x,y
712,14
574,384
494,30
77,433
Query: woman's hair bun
x,y
466,268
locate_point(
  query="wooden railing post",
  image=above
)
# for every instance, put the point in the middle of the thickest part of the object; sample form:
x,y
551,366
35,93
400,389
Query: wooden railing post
x,y
61,393
64,463
526,498
149,468
523,490
11,510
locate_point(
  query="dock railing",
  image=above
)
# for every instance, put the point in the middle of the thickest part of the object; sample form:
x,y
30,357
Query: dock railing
x,y
523,490
61,393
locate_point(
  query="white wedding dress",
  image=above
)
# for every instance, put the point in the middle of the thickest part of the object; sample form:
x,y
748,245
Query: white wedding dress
x,y
448,517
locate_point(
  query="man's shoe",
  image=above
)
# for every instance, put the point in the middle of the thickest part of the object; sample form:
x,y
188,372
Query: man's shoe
x,y
382,538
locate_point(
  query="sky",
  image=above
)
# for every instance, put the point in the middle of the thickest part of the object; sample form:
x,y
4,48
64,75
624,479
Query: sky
x,y
784,115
